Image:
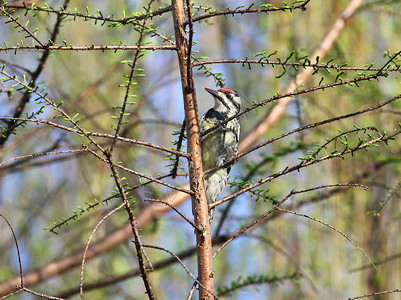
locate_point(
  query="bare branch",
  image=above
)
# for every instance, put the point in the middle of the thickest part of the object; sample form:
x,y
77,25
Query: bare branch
x,y
266,61
97,134
64,13
376,294
175,209
276,207
81,281
189,192
18,252
41,295
41,154
180,261
250,11
87,48
331,227
130,80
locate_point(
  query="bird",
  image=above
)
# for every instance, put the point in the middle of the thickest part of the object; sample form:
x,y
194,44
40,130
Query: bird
x,y
221,144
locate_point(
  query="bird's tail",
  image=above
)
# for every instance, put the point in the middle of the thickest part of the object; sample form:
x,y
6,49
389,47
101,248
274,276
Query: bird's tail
x,y
214,185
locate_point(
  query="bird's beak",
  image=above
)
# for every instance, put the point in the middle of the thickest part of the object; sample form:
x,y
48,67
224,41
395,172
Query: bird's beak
x,y
212,92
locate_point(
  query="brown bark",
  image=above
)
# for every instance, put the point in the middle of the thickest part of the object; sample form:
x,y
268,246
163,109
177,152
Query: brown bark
x,y
199,204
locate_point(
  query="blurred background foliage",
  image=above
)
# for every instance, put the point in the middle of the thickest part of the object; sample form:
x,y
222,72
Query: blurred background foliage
x,y
36,192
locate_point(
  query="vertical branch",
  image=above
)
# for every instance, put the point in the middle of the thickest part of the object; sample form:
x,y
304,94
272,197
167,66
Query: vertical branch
x,y
199,203
131,76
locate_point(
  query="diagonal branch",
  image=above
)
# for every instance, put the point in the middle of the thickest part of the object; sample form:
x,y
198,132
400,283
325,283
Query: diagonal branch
x,y
81,281
308,126
331,227
274,116
276,207
24,28
140,252
175,209
303,164
27,95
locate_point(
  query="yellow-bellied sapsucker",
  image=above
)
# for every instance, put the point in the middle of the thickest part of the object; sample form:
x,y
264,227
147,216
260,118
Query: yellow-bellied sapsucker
x,y
221,144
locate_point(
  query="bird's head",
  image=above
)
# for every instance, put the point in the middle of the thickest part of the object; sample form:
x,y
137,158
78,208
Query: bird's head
x,y
226,100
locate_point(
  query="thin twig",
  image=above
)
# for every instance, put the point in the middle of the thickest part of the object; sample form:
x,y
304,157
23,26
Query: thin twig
x,y
253,224
189,192
275,208
331,227
97,134
19,290
375,294
179,145
16,66
87,48
180,261
383,138
191,291
377,263
15,20
104,201
292,94
380,72
31,90
250,11
266,61
81,281
41,154
175,209
136,272
140,252
35,75
41,295
328,141
18,252
393,194
130,78
98,18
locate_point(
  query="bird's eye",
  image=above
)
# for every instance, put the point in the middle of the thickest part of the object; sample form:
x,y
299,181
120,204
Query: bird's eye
x,y
229,96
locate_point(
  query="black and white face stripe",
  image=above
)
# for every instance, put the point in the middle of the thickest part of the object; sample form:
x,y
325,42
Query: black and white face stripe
x,y
235,103
222,101
223,96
